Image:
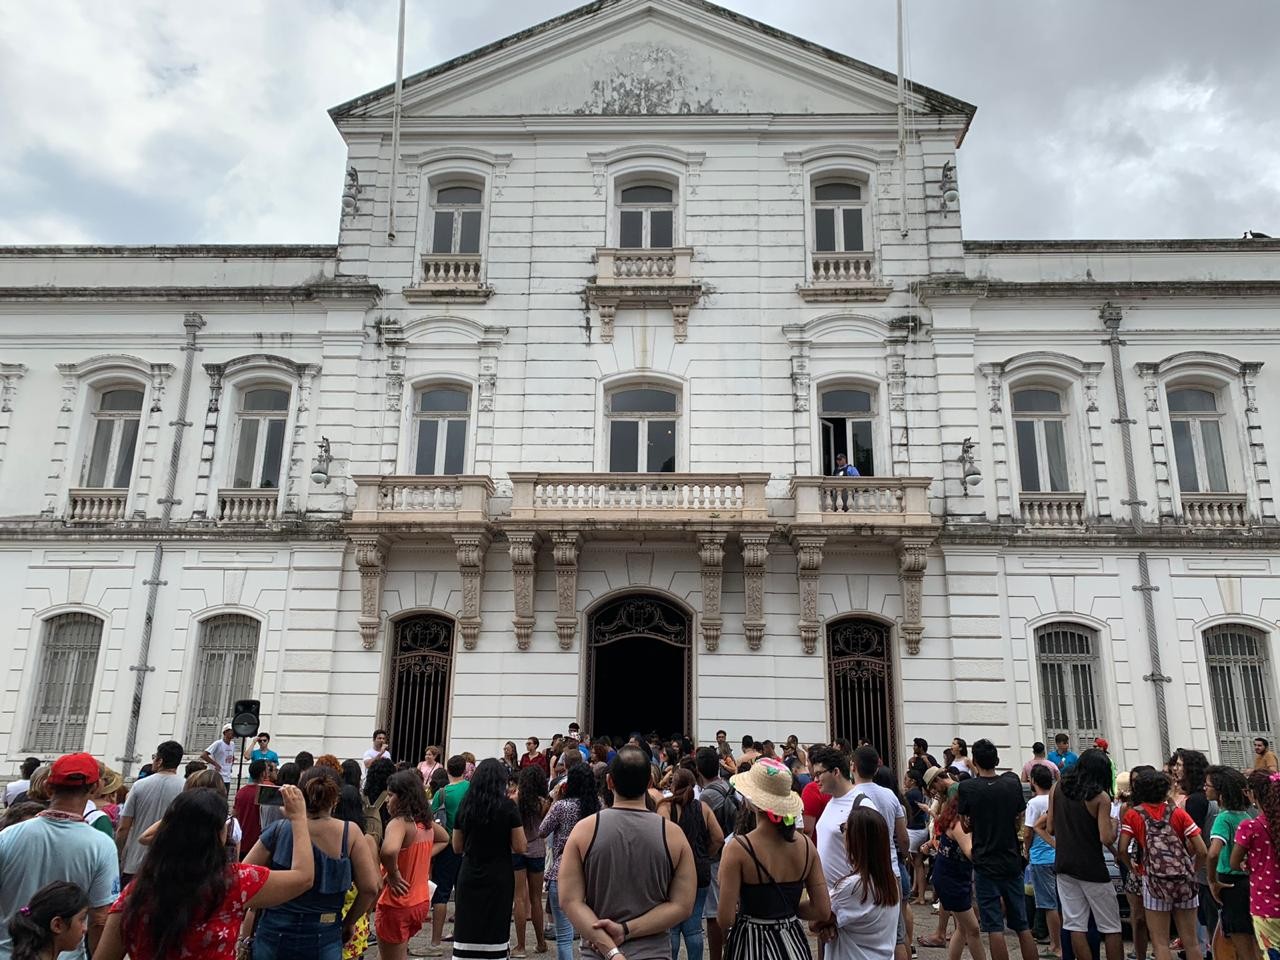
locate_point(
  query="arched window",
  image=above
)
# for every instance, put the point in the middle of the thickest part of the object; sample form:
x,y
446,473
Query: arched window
x,y
261,415
848,429
1067,654
64,690
455,226
1195,419
860,682
1039,428
227,656
115,437
839,212
440,415
642,430
646,216
1240,685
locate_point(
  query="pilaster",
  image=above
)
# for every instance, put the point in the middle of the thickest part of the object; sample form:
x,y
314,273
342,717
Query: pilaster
x,y
1150,373
913,557
711,555
808,550
471,549
208,442
565,545
755,553
523,548
371,559
1257,450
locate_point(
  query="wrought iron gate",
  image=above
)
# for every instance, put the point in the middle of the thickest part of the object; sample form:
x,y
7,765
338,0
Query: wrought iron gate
x,y
418,688
68,671
227,657
860,684
1240,689
1067,655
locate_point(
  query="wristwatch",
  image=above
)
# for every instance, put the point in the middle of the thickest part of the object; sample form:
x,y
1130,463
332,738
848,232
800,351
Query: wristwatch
x,y
626,932
612,953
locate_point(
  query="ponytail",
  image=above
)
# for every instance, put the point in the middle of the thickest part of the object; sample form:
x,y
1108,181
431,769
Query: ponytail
x,y
30,930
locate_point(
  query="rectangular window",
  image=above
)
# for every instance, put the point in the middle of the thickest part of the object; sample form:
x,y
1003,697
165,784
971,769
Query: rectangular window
x,y
455,446
631,229
661,229
624,446
442,232
852,229
861,455
68,669
246,453
1184,456
469,237
124,459
272,455
1055,449
660,457
101,453
824,227
1215,468
426,460
1028,459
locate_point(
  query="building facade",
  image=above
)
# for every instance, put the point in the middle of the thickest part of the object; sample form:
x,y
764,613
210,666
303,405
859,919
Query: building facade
x,y
550,434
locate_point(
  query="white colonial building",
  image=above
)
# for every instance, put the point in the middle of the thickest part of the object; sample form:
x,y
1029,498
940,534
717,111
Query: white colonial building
x,y
583,356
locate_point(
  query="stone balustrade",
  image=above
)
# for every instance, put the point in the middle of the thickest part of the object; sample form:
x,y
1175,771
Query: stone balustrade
x,y
843,268
413,499
96,505
663,497
619,267
1215,509
248,506
862,501
1055,510
451,268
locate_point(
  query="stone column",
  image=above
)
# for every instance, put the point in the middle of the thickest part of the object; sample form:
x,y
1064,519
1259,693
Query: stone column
x,y
913,556
523,547
755,552
371,558
808,568
565,551
471,549
711,554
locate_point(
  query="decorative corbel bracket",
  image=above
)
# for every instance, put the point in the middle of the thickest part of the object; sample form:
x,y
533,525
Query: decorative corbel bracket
x,y
913,557
10,374
711,555
523,547
808,550
471,548
371,558
608,309
755,552
564,547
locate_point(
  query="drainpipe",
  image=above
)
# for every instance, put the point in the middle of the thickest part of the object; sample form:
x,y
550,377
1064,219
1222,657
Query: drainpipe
x,y
1111,317
192,323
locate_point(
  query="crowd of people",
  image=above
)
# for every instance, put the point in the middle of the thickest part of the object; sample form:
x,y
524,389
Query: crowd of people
x,y
640,849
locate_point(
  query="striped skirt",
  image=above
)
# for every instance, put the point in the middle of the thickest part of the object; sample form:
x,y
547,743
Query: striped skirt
x,y
481,951
752,939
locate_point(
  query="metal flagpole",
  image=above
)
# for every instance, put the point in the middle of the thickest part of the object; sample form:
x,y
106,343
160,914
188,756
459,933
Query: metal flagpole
x,y
395,128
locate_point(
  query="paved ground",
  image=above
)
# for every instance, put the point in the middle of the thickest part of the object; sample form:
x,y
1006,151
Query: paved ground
x,y
925,922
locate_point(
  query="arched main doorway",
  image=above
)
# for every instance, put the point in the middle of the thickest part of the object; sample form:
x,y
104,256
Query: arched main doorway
x,y
639,667
860,684
418,685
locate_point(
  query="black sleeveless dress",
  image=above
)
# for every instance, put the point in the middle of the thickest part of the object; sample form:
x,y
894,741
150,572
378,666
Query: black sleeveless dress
x,y
766,926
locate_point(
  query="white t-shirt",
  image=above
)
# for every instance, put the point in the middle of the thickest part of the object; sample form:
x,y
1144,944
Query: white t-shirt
x,y
371,755
864,931
831,851
886,804
224,755
961,764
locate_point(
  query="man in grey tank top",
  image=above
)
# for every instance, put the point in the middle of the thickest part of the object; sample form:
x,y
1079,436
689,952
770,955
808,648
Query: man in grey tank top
x,y
627,875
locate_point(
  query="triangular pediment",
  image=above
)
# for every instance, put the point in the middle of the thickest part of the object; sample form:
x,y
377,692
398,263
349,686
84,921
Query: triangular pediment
x,y
646,58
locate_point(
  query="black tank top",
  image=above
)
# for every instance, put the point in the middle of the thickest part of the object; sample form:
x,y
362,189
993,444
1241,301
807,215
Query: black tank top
x,y
770,900
1077,846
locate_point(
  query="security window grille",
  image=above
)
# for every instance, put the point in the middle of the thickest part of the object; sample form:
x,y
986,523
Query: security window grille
x,y
642,431
646,217
1196,423
838,210
68,668
847,420
1240,685
261,420
1068,659
228,654
115,438
441,435
456,226
1038,423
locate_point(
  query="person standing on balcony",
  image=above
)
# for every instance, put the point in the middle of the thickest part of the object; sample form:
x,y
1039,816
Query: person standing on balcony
x,y
844,468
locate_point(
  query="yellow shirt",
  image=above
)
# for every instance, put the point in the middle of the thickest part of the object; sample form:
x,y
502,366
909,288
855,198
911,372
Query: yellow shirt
x,y
1266,762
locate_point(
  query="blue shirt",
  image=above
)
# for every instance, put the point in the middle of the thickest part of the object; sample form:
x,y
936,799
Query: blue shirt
x,y
264,755
848,470
1063,761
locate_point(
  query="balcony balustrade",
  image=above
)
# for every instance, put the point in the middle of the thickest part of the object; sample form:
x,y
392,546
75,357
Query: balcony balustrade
x,y
422,500
889,502
1215,509
450,277
642,497
643,277
843,277
96,505
1052,510
248,506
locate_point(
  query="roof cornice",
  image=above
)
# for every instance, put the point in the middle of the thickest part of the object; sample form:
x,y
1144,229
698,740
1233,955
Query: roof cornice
x,y
217,251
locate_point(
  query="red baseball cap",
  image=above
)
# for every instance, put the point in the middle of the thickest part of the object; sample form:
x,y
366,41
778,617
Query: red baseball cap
x,y
1100,743
74,770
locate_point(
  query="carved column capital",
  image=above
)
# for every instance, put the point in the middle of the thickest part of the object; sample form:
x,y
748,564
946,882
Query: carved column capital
x,y
471,549
523,547
913,557
755,553
680,321
711,556
607,312
371,559
808,569
564,550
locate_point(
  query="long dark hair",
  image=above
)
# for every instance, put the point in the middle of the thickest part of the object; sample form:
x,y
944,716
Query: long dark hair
x,y
1230,785
866,840
531,788
1266,794
377,777
184,876
409,793
1195,765
351,773
1090,776
580,785
681,791
482,807
29,932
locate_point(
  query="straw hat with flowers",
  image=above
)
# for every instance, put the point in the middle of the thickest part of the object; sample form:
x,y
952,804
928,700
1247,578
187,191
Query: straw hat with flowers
x,y
768,786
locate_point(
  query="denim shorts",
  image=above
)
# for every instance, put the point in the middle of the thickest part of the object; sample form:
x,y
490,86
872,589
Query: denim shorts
x,y
444,873
1001,903
1045,885
296,936
532,864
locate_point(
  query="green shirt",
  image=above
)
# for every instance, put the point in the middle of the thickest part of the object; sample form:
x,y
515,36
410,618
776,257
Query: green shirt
x,y
451,796
1224,829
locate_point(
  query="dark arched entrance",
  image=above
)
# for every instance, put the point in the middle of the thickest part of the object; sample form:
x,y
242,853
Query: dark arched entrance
x,y
860,684
639,667
418,687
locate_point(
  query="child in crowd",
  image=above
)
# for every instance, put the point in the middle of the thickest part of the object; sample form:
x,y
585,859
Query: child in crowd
x,y
54,921
1228,787
1257,849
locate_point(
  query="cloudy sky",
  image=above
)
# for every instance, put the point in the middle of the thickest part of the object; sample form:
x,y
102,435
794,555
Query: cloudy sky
x,y
148,121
